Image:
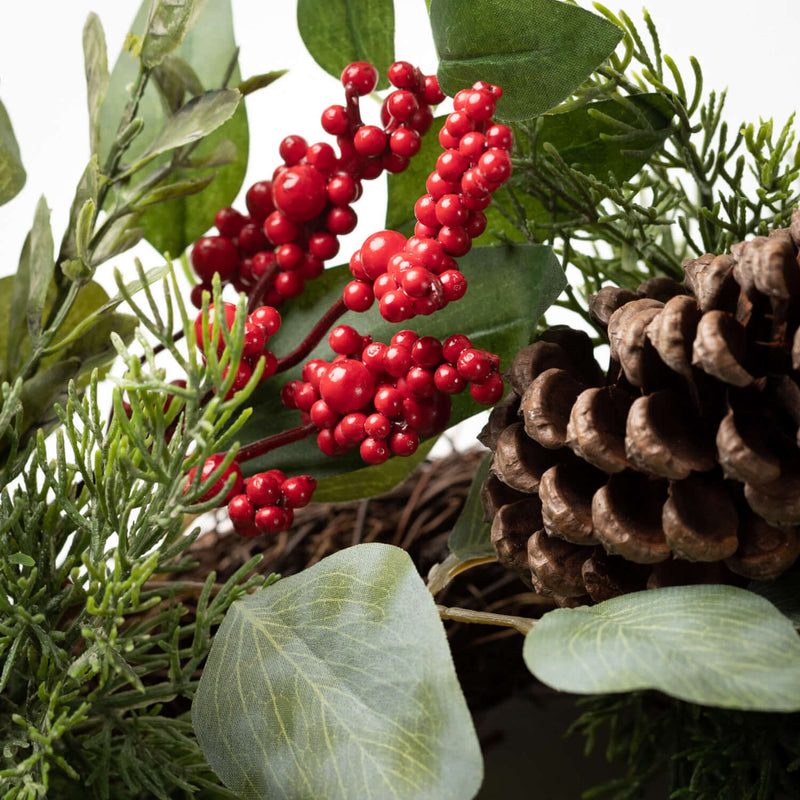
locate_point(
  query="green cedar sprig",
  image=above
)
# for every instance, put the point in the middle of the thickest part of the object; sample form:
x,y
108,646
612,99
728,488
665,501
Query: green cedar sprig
x,y
94,642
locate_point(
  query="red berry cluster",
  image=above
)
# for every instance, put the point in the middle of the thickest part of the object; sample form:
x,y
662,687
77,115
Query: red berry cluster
x,y
260,325
268,501
295,218
420,275
385,398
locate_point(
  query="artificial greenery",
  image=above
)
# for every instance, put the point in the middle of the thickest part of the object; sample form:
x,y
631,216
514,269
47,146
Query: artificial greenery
x,y
102,646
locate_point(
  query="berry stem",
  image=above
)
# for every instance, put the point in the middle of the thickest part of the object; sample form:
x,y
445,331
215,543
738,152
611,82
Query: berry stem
x,y
275,441
263,285
314,337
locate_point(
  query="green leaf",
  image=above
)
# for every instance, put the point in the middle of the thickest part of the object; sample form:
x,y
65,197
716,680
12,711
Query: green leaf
x,y
167,25
175,79
41,267
256,82
539,51
95,61
86,191
194,120
207,50
714,645
470,535
22,559
12,173
14,291
182,188
509,289
122,235
338,683
337,32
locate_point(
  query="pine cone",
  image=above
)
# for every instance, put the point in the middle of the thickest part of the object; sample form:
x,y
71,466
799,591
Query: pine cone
x,y
682,463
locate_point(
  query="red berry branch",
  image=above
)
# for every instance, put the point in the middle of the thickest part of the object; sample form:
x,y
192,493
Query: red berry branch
x,y
381,398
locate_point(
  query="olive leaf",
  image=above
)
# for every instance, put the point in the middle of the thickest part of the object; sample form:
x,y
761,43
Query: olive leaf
x,y
41,265
710,644
338,683
539,51
12,173
167,25
337,32
95,58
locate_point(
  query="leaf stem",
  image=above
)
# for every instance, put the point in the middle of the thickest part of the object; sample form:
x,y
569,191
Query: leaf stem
x,y
520,624
275,441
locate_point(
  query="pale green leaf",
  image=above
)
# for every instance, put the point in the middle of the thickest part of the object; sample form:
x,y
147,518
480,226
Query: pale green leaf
x,y
709,644
86,190
12,173
256,82
338,683
41,267
181,188
194,120
168,23
16,288
95,63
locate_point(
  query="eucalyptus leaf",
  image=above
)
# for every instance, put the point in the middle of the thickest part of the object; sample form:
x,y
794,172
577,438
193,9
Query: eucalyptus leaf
x,y
167,26
539,51
509,289
86,190
181,188
338,32
12,173
41,267
338,683
95,61
121,236
175,79
709,644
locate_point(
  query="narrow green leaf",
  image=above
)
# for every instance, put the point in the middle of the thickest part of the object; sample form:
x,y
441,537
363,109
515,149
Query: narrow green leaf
x,y
470,535
168,23
42,265
256,82
22,559
509,289
181,188
194,120
12,173
338,683
337,32
16,288
83,232
539,51
86,190
124,234
714,645
95,64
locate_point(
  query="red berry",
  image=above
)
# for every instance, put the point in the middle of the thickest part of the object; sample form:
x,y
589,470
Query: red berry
x,y
334,120
388,401
298,490
500,136
393,163
305,396
474,365
378,249
437,186
279,229
403,75
476,203
251,239
480,105
327,443
310,268
259,201
397,360
215,254
314,370
453,345
427,417
472,144
300,192
420,382
292,149
323,416
289,284
351,427
455,240
273,519
323,245
404,443
266,317
451,165
425,210
476,224
495,165
454,284
395,306
196,295
321,156
422,120
270,362
431,92
402,105
405,142
229,310
488,391
358,295
345,341
448,380
288,392
370,140
458,123
341,220
426,352
450,211
447,140
343,190
240,509
425,231
263,489
362,75
374,451
209,466
255,338
289,256
475,184
416,282
347,386
229,222
378,426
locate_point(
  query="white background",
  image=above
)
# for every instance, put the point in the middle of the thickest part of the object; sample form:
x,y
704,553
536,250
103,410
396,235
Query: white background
x,y
752,52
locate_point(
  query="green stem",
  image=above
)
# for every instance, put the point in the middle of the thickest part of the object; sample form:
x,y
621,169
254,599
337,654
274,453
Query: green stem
x,y
520,624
